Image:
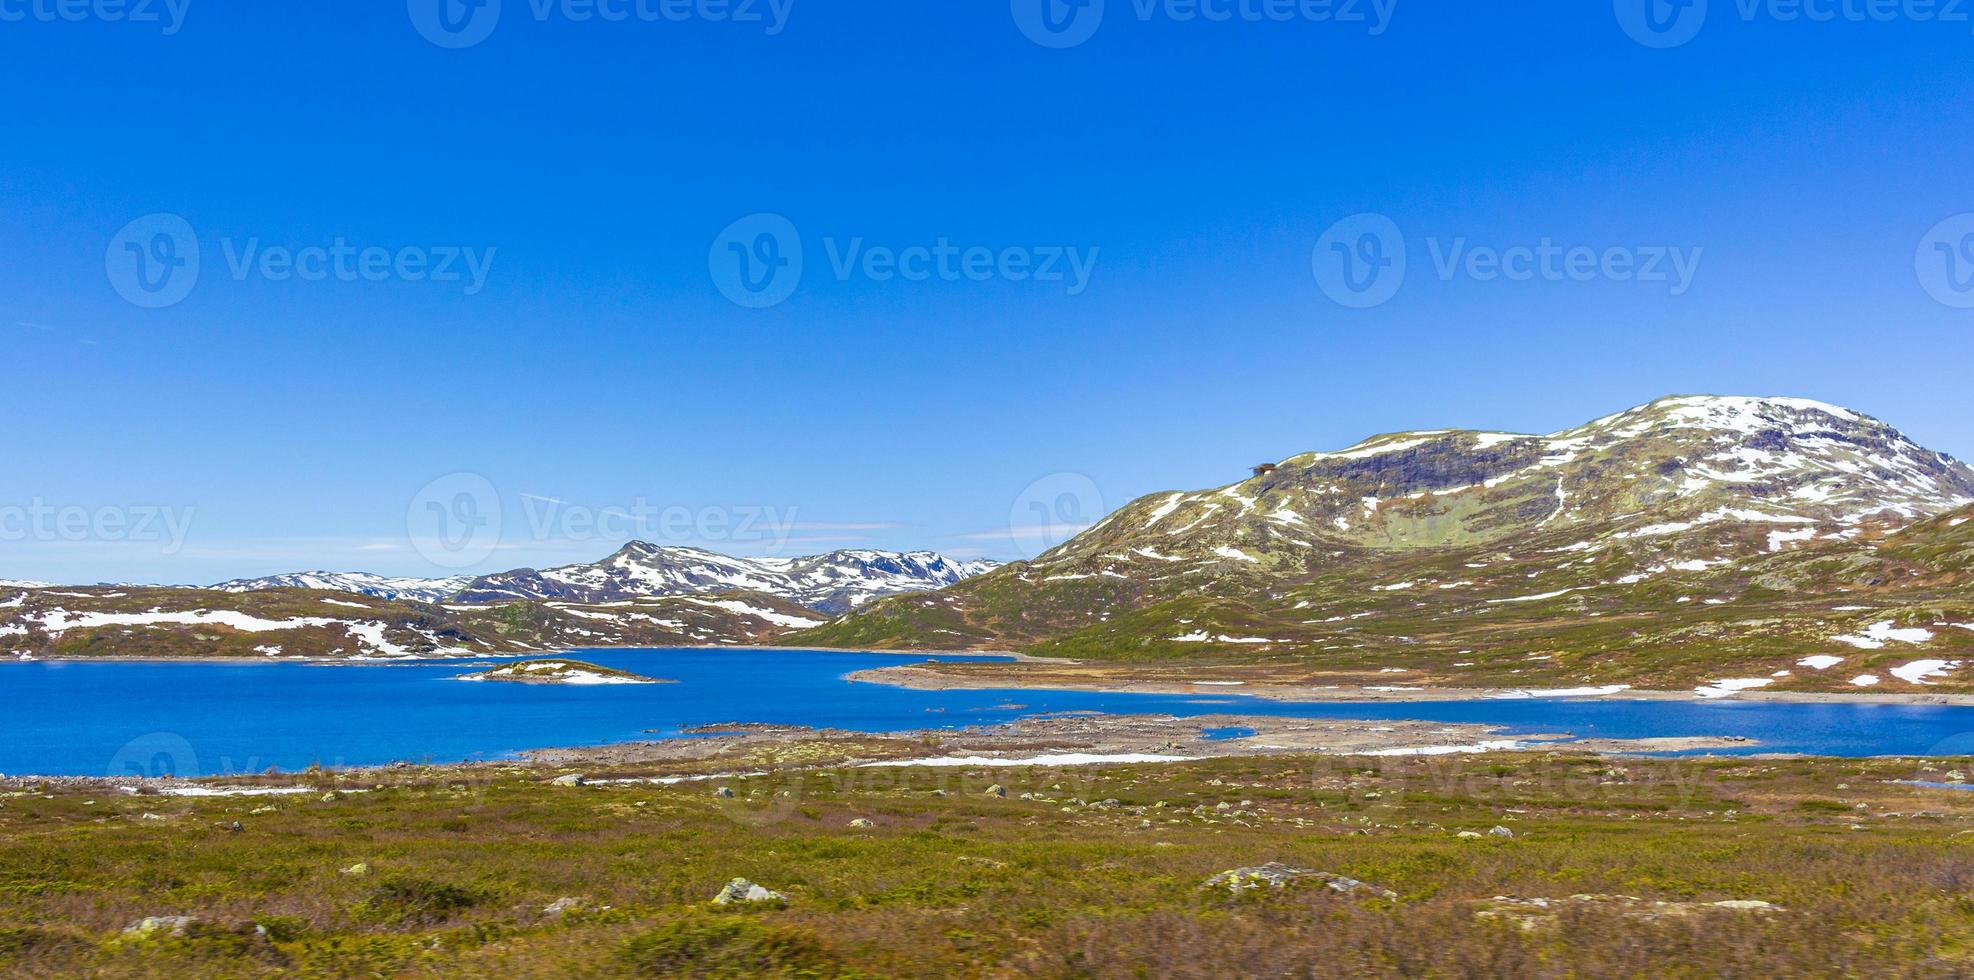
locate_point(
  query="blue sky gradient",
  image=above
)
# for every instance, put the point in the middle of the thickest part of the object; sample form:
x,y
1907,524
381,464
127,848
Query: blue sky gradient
x,y
1804,164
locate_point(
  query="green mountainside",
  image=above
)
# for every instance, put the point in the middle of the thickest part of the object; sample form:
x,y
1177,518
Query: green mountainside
x,y
1687,540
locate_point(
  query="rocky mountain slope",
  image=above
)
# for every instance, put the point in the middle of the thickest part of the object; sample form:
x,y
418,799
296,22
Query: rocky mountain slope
x,y
356,583
1663,544
275,623
831,583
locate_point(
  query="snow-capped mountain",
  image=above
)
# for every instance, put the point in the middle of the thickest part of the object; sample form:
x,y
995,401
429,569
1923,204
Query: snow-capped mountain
x,y
360,583
1799,467
833,583
1446,530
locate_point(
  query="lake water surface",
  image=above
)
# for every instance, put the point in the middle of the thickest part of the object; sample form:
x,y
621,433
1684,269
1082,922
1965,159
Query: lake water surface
x,y
94,719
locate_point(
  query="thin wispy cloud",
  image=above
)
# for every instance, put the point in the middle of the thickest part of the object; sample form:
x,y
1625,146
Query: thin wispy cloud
x,y
1026,532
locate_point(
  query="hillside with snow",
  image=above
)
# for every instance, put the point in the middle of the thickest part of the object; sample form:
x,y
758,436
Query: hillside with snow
x,y
1666,539
831,583
356,583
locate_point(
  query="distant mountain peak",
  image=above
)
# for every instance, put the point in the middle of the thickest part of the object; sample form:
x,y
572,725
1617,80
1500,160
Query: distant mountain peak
x,y
834,582
358,583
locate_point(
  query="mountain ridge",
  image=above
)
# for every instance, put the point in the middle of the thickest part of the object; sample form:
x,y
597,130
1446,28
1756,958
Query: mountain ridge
x,y
832,582
1433,547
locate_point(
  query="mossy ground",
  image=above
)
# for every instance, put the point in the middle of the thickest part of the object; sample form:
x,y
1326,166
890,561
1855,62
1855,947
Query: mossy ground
x,y
1098,874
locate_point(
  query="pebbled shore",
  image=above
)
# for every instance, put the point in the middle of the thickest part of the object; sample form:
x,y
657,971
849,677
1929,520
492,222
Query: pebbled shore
x,y
1063,675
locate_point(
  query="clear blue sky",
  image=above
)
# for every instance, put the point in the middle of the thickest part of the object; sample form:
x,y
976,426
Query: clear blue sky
x,y
600,363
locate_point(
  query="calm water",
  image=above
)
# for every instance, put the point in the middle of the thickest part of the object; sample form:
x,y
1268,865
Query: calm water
x,y
125,718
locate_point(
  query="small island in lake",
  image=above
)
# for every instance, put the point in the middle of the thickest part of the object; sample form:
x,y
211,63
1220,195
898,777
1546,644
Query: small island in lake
x,y
560,672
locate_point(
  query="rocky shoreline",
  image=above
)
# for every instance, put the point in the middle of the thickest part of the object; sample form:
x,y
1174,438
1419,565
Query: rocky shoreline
x,y
1062,675
1065,740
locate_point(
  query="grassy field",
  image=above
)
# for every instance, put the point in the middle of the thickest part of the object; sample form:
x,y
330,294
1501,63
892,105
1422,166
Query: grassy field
x,y
1094,872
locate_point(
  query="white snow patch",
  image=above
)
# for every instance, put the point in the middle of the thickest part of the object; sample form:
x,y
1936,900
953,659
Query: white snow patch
x,y
1537,598
1065,759
777,618
1165,509
1561,692
1731,687
1877,635
1495,745
1821,661
1917,671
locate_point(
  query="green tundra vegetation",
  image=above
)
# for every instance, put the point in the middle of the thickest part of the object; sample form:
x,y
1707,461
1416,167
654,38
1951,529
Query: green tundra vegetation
x,y
1524,864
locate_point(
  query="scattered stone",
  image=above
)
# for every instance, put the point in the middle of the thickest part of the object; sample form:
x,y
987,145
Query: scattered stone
x,y
561,907
724,792
234,827
1471,835
358,869
175,926
742,890
1531,913
861,823
573,779
150,816
1001,791
1500,831
1274,874
257,811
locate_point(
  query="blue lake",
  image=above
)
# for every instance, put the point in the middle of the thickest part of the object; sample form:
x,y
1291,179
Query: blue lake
x,y
95,719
